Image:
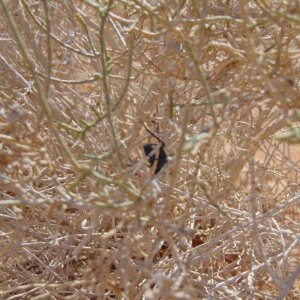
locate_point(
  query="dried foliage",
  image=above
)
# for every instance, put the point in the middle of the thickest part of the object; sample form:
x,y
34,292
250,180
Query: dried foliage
x,y
82,215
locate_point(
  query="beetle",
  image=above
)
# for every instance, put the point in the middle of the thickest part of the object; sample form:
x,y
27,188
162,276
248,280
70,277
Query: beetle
x,y
161,158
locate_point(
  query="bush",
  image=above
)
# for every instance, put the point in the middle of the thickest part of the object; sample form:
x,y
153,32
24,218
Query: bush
x,y
83,86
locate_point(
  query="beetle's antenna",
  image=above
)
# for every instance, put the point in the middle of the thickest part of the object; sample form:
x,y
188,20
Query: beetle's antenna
x,y
155,136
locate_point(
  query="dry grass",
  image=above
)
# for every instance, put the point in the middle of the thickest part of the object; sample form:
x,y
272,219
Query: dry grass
x,y
82,216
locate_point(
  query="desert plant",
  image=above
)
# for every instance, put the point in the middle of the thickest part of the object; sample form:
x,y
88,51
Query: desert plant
x,y
83,216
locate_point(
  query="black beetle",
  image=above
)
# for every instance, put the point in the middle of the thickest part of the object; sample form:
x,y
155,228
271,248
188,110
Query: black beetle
x,y
162,158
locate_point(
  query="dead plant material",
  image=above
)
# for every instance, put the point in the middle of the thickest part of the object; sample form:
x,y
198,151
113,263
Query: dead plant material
x,y
81,214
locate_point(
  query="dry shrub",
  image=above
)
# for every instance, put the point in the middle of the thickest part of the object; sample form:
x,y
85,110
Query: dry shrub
x,y
82,216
